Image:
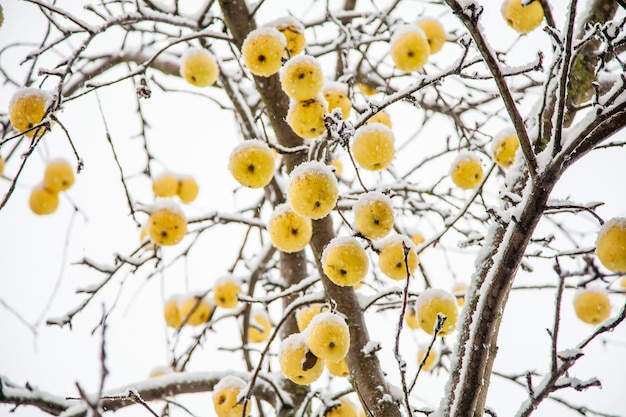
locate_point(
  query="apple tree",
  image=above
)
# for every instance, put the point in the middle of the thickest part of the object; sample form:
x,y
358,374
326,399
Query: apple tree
x,y
350,204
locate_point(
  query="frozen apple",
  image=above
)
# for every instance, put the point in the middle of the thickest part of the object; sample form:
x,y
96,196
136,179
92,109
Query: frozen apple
x,y
373,147
522,18
430,359
260,327
336,95
382,117
312,190
592,306
199,67
504,147
195,310
339,368
344,261
434,301
345,408
395,253
304,315
293,31
611,244
411,319
302,78
58,176
338,166
417,238
252,164
171,311
225,292
187,189
289,231
409,48
328,336
27,108
466,171
373,215
297,362
167,225
435,34
306,118
226,395
159,371
43,201
366,89
263,51
165,185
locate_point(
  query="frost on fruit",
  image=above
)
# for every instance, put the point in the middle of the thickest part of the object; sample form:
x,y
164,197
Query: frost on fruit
x,y
199,67
312,190
523,19
336,95
345,408
338,166
611,245
381,117
297,362
58,176
187,189
225,292
171,311
430,359
252,164
304,315
263,51
165,185
504,147
392,259
166,225
293,31
592,306
225,397
43,201
373,215
306,118
409,48
195,310
260,327
432,302
302,78
328,336
466,171
27,108
435,34
289,231
344,261
373,147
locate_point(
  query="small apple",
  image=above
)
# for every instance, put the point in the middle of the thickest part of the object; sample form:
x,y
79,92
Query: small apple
x,y
409,48
344,261
328,336
27,108
297,362
263,51
611,244
252,164
592,306
289,231
58,176
432,302
198,67
312,190
523,19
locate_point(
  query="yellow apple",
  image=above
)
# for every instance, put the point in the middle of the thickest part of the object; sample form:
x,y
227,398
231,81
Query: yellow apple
x,y
171,311
289,231
301,78
297,363
430,360
611,244
43,201
459,290
263,51
336,95
165,185
225,292
312,190
435,34
344,261
199,67
187,189
392,260
411,319
373,147
58,176
345,408
328,337
504,147
466,171
252,164
432,302
195,310
27,108
523,19
260,327
373,215
167,225
293,30
592,306
409,48
304,315
382,117
225,395
306,118
339,368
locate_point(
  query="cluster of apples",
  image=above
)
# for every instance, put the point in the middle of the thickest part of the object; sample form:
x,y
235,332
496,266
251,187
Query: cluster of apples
x,y
58,177
412,44
169,185
323,340
196,309
592,305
